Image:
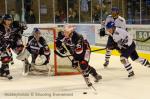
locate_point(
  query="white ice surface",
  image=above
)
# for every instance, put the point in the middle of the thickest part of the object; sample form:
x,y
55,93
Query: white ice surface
x,y
114,85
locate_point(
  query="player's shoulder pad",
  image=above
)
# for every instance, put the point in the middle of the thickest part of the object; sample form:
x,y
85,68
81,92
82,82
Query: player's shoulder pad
x,y
30,37
61,35
116,33
42,41
121,19
109,16
77,35
42,38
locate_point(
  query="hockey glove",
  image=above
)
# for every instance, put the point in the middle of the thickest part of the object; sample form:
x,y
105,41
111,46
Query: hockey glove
x,y
102,32
75,63
62,50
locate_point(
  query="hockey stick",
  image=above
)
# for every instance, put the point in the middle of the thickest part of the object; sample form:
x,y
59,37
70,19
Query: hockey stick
x,y
82,74
98,49
60,55
85,80
57,53
68,56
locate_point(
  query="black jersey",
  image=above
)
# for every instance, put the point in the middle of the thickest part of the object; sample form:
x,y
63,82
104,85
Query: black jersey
x,y
76,44
5,36
35,46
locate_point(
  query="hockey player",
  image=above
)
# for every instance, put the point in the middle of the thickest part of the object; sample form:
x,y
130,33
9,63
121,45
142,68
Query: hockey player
x,y
5,52
16,36
38,48
120,23
79,48
126,46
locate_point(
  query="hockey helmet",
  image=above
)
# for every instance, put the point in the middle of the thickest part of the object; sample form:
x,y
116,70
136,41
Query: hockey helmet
x,y
115,9
7,17
110,25
36,31
69,27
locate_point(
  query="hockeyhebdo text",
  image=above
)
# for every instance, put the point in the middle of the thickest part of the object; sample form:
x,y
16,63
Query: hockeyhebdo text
x,y
38,94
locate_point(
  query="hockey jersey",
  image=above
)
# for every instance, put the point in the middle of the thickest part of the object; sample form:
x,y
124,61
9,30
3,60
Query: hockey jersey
x,y
76,44
5,34
122,38
35,46
119,22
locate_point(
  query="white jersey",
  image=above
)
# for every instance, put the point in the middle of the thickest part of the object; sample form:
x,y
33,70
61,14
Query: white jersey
x,y
122,38
119,22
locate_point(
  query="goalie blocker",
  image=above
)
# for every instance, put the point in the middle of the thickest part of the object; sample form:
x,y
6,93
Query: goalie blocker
x,y
79,48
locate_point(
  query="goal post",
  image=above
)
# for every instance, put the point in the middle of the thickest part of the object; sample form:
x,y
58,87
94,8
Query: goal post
x,y
60,66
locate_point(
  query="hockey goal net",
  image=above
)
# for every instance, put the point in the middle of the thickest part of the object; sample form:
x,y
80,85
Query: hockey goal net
x,y
59,66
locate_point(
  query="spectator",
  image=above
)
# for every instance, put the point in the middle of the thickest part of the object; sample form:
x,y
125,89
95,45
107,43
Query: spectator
x,y
73,17
70,14
15,15
97,14
62,16
84,6
57,17
30,17
28,4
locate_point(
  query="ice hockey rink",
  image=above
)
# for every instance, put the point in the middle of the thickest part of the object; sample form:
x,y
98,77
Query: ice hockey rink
x,y
114,85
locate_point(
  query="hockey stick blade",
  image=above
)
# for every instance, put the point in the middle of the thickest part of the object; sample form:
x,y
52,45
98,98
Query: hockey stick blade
x,y
92,87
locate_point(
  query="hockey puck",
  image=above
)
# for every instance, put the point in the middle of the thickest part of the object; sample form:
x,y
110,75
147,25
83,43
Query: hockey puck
x,y
84,92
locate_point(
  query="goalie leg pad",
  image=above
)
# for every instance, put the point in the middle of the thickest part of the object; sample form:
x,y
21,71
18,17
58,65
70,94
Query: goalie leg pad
x,y
40,59
18,49
23,55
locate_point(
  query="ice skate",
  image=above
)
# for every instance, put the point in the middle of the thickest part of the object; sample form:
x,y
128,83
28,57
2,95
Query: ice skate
x,y
97,78
87,80
106,64
9,77
147,64
131,74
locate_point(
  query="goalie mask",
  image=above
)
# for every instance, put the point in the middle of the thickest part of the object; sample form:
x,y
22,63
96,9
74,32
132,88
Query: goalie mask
x,y
36,33
40,60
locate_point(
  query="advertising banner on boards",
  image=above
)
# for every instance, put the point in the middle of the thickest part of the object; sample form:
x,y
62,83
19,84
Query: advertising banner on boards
x,y
141,32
